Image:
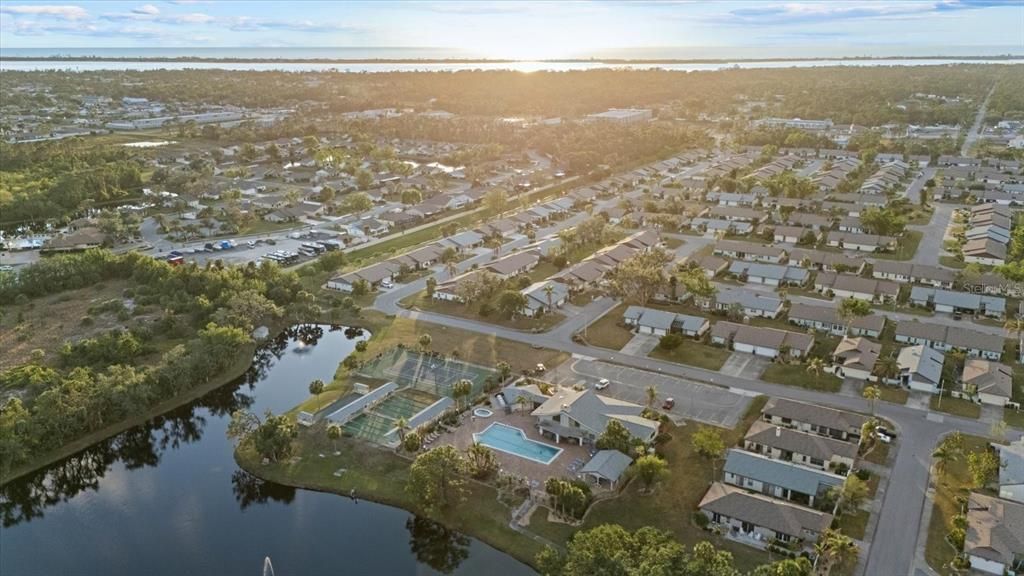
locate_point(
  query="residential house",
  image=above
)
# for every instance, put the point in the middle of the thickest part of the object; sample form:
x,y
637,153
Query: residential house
x,y
767,342
855,358
994,540
826,319
984,251
808,220
814,419
990,382
750,251
913,273
793,234
860,242
769,274
1011,470
373,275
298,211
921,368
514,264
827,261
660,322
736,214
711,265
463,241
857,287
749,302
761,518
607,466
544,297
777,478
581,416
789,445
950,302
421,258
945,338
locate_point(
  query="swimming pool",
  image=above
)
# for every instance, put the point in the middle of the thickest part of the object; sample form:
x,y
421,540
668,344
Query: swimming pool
x,y
512,440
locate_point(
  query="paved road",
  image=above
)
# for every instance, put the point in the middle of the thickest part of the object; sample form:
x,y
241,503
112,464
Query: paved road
x,y
895,539
934,233
913,192
972,134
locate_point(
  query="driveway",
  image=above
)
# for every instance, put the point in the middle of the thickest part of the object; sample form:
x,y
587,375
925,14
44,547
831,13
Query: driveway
x,y
694,401
742,365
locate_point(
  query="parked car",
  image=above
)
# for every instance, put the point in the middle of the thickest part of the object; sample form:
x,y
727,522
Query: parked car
x,y
387,284
602,384
884,430
541,368
669,404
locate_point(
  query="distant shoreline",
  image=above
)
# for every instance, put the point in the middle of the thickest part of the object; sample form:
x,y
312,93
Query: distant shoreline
x,y
610,61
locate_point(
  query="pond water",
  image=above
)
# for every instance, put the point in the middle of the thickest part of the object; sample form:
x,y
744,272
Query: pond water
x,y
167,497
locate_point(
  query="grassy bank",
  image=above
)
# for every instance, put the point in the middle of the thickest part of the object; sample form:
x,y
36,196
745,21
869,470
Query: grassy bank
x,y
544,323
955,406
694,353
608,331
380,475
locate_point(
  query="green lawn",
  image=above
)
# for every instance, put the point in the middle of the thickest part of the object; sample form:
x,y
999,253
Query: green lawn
x,y
955,406
671,242
695,354
906,249
952,262
380,475
1013,417
949,483
854,525
797,375
879,454
556,532
608,331
672,504
893,394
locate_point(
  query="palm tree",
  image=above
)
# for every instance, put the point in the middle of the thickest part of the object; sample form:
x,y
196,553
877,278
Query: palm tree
x,y
652,396
316,387
522,402
944,456
334,432
425,341
839,548
402,425
549,291
815,366
872,393
451,268
888,368
462,389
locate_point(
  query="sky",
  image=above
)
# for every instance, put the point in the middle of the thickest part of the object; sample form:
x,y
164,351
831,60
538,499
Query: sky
x,y
527,29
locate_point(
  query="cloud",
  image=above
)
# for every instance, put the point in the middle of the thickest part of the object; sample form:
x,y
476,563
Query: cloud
x,y
794,13
65,12
147,9
250,24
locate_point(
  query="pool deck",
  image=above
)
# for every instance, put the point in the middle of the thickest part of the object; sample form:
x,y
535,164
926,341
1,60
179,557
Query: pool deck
x,y
462,438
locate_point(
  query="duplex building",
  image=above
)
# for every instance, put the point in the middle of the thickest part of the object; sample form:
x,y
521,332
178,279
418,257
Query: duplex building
x,y
798,447
814,419
860,242
777,478
761,518
770,274
946,338
857,287
906,272
760,341
994,540
950,301
826,319
750,251
749,302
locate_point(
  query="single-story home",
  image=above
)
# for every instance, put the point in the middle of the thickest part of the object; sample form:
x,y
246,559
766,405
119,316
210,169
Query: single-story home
x,y
544,297
945,338
950,301
994,540
514,264
913,273
855,358
777,478
750,302
827,261
814,419
850,286
793,234
770,274
761,518
984,251
921,368
990,382
373,275
826,319
790,445
860,242
660,322
749,251
760,341
463,241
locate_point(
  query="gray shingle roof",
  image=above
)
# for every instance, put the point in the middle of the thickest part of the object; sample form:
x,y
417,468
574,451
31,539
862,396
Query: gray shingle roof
x,y
763,511
779,473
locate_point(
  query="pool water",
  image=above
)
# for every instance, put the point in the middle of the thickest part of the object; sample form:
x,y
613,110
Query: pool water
x,y
512,440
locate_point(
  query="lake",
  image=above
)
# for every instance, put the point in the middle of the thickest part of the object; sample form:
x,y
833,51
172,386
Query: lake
x,y
167,497
426,66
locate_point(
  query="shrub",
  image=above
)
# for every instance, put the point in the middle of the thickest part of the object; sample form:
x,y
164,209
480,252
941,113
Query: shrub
x,y
486,309
701,520
863,474
670,341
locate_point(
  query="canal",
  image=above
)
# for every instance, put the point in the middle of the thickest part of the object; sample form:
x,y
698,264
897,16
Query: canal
x,y
167,497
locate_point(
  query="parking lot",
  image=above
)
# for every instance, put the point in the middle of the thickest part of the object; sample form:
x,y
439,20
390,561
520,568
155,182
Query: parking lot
x,y
693,400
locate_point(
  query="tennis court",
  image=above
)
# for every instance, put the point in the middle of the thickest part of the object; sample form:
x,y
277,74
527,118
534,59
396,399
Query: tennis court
x,y
427,373
374,423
